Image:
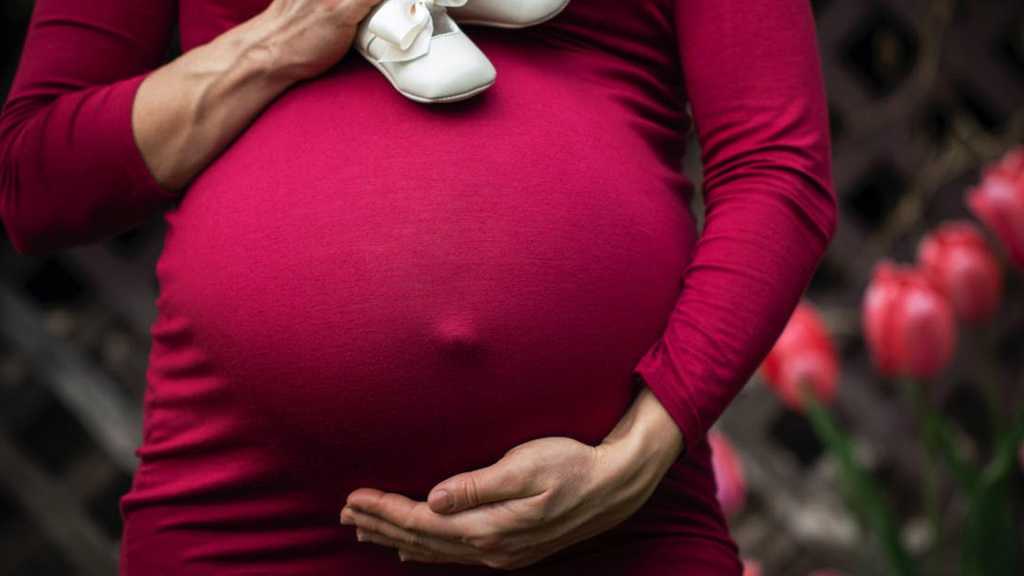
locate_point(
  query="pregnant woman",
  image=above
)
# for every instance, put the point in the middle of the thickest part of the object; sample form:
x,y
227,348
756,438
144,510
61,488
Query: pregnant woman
x,y
364,300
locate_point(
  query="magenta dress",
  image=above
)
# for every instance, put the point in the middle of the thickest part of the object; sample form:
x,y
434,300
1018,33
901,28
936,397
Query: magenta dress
x,y
367,291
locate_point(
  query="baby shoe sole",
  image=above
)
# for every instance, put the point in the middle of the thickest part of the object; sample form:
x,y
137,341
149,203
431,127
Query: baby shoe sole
x,y
506,25
451,98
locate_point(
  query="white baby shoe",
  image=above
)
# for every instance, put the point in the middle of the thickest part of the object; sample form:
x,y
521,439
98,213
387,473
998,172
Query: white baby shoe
x,y
422,51
507,13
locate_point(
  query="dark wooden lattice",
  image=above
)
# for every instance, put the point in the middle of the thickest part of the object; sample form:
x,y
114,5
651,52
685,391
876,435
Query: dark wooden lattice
x,y
921,94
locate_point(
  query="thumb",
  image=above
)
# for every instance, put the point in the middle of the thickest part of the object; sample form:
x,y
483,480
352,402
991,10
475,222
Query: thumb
x,y
502,480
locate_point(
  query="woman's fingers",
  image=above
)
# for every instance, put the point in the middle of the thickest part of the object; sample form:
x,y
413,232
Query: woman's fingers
x,y
407,551
510,477
408,555
410,538
483,527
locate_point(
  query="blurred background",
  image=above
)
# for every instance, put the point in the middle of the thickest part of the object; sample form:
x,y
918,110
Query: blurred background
x,y
923,95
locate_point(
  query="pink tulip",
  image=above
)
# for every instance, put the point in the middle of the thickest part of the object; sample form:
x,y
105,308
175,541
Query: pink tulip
x,y
959,262
751,568
909,325
803,355
728,470
998,201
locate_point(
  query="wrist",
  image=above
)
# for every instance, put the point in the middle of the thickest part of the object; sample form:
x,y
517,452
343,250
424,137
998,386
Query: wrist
x,y
250,53
647,434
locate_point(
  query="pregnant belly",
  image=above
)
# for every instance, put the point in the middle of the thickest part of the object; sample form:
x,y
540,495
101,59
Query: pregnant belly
x,y
399,292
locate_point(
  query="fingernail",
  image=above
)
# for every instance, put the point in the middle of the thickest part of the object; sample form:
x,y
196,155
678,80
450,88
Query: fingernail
x,y
346,516
359,535
442,500
401,556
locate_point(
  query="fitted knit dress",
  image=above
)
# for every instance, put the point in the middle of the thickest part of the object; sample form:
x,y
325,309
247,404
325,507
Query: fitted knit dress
x,y
365,291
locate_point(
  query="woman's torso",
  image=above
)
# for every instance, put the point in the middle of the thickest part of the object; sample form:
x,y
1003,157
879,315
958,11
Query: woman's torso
x,y
366,291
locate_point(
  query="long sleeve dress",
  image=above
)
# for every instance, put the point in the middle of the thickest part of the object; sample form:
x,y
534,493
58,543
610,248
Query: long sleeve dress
x,y
366,291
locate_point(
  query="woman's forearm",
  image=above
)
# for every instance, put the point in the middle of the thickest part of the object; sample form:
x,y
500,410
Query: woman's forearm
x,y
187,111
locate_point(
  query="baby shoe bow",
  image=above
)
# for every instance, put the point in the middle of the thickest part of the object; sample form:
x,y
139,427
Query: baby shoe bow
x,y
406,26
422,51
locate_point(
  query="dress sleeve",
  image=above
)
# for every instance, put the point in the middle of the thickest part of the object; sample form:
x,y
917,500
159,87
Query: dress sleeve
x,y
70,169
753,77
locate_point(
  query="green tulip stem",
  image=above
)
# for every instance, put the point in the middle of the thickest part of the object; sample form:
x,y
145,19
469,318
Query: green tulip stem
x,y
963,471
864,494
925,420
940,431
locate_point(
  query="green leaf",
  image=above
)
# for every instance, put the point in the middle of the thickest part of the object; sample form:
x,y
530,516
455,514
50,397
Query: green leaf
x,y
1005,456
989,535
867,501
990,545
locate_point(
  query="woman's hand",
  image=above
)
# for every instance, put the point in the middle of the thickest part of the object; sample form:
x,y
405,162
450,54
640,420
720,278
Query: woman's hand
x,y
541,497
303,38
